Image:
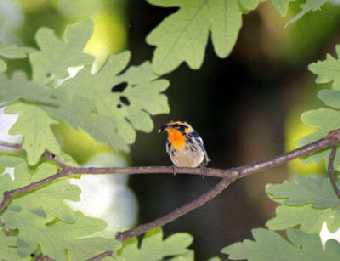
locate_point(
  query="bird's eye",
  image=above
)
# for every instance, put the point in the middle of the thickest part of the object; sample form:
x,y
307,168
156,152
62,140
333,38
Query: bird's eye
x,y
181,128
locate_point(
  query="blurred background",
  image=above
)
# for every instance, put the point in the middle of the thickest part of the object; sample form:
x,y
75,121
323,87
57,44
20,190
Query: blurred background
x,y
246,107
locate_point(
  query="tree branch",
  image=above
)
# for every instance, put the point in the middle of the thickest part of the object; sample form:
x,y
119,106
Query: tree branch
x,y
8,196
43,258
228,176
8,145
101,256
331,174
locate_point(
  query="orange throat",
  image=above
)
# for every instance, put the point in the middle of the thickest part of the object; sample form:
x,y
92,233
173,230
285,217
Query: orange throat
x,y
176,139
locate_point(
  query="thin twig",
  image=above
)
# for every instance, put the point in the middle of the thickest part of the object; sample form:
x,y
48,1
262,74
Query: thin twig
x,y
8,196
101,256
50,156
9,145
43,258
331,174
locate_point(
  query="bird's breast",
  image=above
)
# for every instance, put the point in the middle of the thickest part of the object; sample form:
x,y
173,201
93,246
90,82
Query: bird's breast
x,y
187,157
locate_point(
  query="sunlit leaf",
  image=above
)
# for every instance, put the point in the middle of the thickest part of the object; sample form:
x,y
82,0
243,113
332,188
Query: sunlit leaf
x,y
154,247
56,55
34,125
189,27
301,190
306,7
328,69
269,246
309,219
8,248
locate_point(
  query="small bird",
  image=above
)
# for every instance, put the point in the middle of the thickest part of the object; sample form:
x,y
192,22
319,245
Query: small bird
x,y
184,145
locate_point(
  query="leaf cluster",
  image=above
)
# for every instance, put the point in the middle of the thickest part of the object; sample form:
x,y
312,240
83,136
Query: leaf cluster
x,y
110,105
305,204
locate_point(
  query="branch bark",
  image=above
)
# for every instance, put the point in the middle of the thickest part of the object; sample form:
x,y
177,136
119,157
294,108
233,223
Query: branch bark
x,y
331,171
101,256
228,177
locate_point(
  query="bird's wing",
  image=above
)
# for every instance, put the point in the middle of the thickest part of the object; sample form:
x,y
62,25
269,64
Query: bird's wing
x,y
195,136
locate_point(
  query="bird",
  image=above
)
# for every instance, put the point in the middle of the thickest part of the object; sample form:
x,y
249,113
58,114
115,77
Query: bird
x,y
184,145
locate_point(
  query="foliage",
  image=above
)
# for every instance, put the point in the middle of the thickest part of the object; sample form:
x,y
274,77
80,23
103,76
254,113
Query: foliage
x,y
83,99
314,190
325,119
55,56
153,247
308,6
34,125
12,51
8,248
269,246
110,103
190,26
306,202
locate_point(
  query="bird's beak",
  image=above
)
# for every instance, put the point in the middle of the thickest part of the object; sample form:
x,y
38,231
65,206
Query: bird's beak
x,y
162,128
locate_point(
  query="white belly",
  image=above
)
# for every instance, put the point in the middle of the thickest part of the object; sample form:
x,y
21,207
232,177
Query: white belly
x,y
187,158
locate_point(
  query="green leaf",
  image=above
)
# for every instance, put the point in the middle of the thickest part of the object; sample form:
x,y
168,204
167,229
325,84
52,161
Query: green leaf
x,y
281,6
308,6
308,219
10,161
330,98
8,248
324,120
51,198
47,201
3,66
143,91
59,240
44,221
187,257
21,179
328,69
20,88
34,125
13,51
308,201
269,246
190,26
154,247
314,190
55,56
89,101
115,115
249,5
